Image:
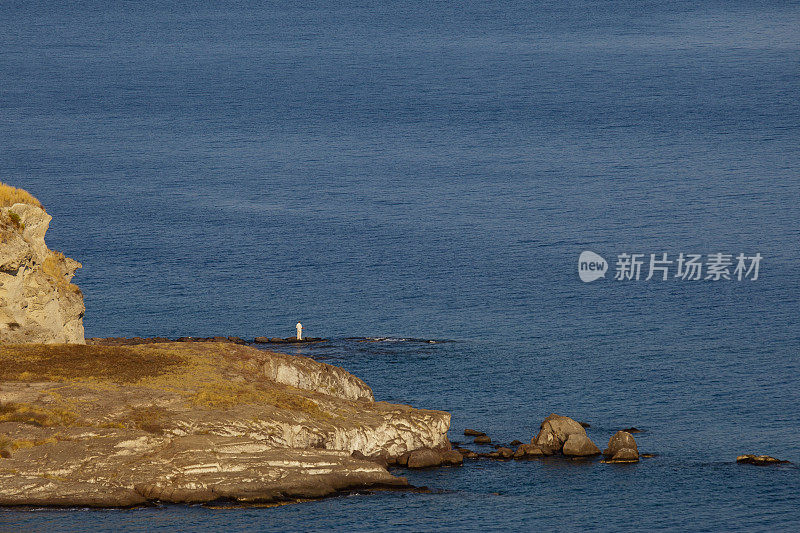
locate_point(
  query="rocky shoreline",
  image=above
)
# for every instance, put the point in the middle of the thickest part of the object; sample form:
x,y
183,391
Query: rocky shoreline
x,y
117,426
125,424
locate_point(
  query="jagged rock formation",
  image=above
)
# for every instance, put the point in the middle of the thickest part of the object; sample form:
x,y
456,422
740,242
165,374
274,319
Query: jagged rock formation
x,y
37,301
193,422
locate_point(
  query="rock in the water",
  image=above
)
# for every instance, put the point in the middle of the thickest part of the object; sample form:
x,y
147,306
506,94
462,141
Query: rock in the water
x,y
759,460
482,439
473,433
467,454
505,453
515,443
38,302
528,450
625,455
452,458
578,445
424,458
619,441
555,430
632,430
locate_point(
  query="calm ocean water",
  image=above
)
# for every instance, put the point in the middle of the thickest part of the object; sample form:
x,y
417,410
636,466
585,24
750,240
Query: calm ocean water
x,y
432,171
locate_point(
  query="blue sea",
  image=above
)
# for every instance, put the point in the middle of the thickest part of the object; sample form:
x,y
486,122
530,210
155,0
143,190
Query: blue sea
x,y
431,171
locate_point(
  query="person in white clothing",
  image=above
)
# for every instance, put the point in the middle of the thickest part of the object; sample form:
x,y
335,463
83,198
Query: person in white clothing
x,y
299,331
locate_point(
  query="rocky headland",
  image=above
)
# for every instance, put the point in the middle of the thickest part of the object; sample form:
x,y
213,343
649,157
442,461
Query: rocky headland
x,y
118,422
193,422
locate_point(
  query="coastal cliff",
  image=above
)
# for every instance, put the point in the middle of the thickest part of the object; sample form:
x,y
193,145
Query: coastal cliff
x,y
38,302
193,422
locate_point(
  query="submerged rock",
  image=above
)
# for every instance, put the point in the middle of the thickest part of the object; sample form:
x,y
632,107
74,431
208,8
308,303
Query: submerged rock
x,y
473,433
482,439
759,460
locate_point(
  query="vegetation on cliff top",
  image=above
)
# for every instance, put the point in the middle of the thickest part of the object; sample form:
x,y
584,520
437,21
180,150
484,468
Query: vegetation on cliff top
x,y
11,195
207,375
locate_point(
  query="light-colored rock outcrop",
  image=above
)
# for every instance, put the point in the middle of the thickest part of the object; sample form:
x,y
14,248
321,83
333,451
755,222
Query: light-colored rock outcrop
x,y
129,467
38,302
192,422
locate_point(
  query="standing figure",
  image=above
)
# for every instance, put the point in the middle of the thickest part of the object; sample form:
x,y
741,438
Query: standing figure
x,y
299,327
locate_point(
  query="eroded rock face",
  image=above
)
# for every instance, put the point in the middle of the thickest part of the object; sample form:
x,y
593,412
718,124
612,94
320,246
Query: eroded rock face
x,y
107,468
38,304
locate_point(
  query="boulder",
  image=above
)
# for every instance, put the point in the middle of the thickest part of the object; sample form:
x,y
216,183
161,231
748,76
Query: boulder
x,y
625,455
578,445
555,430
482,439
505,453
473,433
515,443
452,458
424,458
528,450
467,454
620,440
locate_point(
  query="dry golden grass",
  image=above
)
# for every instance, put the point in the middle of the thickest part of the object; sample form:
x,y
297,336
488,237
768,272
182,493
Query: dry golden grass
x,y
69,362
11,195
34,415
7,446
148,418
53,267
224,395
207,375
